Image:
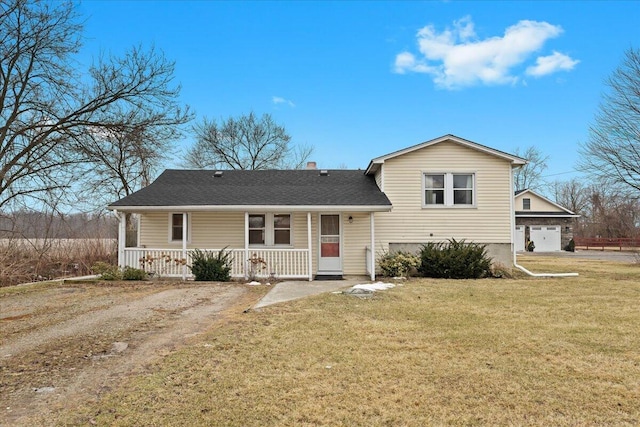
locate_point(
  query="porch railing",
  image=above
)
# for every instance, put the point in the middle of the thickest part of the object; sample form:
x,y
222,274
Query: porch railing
x,y
256,262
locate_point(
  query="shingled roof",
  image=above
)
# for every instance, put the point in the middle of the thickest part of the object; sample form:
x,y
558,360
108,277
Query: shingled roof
x,y
208,189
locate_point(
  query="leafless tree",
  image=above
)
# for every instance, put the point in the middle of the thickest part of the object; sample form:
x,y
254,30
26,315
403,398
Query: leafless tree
x,y
612,212
529,176
246,142
612,151
572,194
51,111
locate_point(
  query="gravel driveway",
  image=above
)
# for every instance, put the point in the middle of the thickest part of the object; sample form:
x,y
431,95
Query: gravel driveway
x,y
62,344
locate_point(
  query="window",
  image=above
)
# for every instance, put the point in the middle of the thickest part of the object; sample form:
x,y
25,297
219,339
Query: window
x,y
282,229
449,189
526,204
177,228
256,229
269,229
434,189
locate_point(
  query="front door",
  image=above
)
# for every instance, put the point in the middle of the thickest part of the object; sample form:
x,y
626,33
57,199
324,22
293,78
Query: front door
x,y
330,253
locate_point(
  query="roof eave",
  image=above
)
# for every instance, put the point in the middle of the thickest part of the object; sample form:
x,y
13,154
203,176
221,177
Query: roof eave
x,y
254,208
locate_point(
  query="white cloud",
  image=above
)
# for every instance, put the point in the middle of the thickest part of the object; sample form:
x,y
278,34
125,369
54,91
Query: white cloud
x,y
551,64
279,100
457,58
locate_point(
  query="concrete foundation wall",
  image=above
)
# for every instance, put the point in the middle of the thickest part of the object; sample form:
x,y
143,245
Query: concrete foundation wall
x,y
501,253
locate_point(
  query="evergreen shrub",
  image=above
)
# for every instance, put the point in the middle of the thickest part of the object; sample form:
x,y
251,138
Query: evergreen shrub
x,y
454,260
210,266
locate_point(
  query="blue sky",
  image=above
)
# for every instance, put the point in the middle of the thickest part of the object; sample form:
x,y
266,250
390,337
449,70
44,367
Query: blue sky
x,y
357,80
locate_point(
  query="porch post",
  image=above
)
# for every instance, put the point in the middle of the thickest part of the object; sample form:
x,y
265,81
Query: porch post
x,y
122,237
310,260
246,245
373,247
185,232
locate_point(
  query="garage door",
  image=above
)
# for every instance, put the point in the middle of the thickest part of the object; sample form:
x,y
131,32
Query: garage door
x,y
546,238
519,238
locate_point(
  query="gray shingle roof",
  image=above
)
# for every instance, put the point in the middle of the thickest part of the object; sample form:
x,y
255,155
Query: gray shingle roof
x,y
258,188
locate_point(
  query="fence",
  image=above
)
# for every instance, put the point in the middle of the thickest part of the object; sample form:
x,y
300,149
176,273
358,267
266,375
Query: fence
x,y
606,242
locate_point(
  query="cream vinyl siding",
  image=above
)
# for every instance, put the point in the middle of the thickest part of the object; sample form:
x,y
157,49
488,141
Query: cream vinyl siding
x,y
212,230
486,222
537,204
355,238
378,177
209,230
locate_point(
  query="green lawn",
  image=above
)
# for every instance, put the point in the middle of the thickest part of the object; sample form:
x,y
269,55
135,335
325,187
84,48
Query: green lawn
x,y
524,351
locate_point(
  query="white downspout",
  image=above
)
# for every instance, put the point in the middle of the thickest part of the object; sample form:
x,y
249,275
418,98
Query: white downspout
x,y
513,246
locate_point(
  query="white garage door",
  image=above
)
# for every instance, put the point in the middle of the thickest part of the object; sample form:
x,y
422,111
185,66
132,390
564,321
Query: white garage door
x,y
519,238
546,238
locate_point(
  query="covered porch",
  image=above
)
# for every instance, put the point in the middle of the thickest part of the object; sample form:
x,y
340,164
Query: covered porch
x,y
292,245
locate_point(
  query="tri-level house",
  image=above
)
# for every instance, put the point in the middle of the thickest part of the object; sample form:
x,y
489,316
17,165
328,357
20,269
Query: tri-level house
x,y
317,222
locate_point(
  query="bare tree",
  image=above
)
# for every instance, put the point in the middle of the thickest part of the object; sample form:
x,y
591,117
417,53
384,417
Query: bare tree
x,y
529,176
246,142
611,212
50,111
572,194
612,151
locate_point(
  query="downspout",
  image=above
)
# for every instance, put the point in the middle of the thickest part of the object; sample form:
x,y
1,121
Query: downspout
x,y
513,246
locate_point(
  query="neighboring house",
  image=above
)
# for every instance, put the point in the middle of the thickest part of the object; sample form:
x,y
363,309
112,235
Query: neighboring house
x,y
307,223
547,224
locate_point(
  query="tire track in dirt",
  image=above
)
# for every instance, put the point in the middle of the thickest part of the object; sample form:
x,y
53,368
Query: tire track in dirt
x,y
146,328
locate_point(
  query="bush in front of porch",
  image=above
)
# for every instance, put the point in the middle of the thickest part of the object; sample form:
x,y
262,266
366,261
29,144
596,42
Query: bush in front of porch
x,y
211,266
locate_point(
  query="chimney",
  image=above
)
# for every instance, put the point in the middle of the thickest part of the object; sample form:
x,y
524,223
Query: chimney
x,y
311,165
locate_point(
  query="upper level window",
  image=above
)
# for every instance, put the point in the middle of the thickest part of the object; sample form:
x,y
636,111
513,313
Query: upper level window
x,y
526,204
449,189
177,231
269,229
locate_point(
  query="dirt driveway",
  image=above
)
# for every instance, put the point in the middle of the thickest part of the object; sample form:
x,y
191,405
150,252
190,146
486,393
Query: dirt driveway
x,y
64,344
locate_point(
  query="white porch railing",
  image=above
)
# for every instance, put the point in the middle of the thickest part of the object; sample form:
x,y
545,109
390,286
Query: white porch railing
x,y
263,263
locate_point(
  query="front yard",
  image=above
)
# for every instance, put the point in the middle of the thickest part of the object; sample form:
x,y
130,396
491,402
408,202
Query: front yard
x,y
524,351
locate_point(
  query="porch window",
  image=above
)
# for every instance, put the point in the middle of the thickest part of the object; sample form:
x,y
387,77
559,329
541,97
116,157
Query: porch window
x,y
448,189
282,229
270,229
257,229
177,228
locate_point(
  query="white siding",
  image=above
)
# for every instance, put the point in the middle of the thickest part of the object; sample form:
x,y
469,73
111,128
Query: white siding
x,y
488,222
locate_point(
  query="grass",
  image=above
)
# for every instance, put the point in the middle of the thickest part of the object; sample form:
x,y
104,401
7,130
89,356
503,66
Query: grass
x,y
523,351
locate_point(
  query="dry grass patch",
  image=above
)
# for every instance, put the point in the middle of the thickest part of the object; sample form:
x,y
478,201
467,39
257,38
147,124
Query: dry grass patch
x,y
431,352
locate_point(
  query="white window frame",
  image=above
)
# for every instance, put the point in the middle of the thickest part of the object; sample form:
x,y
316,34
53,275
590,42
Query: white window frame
x,y
269,232
448,190
170,237
524,206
